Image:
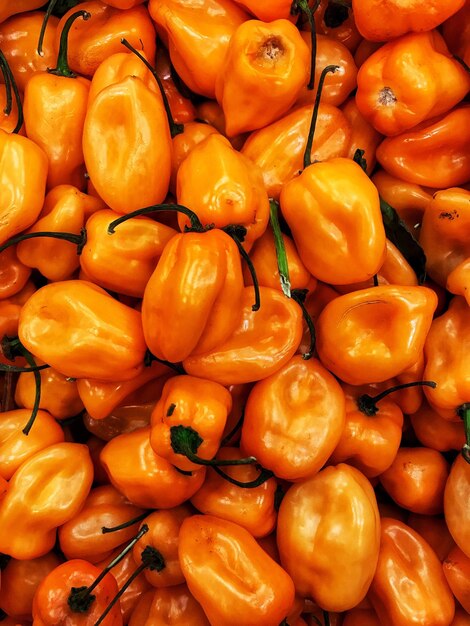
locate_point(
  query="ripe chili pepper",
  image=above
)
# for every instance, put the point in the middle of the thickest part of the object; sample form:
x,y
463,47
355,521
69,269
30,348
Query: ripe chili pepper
x,y
409,581
409,80
231,575
361,617
16,447
19,7
456,31
375,334
363,135
380,21
278,148
263,341
456,569
434,530
176,604
435,432
47,490
123,4
294,419
186,27
101,338
458,281
181,107
193,134
20,579
144,478
310,551
433,154
337,22
264,70
191,413
456,498
223,187
13,273
268,10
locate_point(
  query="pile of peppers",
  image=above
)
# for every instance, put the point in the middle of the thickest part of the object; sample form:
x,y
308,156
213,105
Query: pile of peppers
x,y
235,313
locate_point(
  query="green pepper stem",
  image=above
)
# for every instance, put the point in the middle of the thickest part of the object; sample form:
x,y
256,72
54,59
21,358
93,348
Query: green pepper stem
x,y
464,412
375,278
150,358
37,395
45,21
281,254
238,233
196,225
62,68
368,404
113,529
10,84
186,441
80,598
305,8
299,296
18,370
175,129
264,476
311,133
78,240
326,618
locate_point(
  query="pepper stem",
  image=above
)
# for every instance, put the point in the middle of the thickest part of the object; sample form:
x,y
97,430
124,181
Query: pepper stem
x,y
368,404
196,225
150,358
375,278
464,412
113,529
37,395
281,254
305,8
63,68
78,240
10,83
252,484
238,233
186,441
299,296
235,429
175,129
316,106
81,598
326,618
45,21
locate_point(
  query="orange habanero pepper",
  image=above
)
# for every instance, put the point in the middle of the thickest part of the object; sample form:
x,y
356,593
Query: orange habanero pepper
x,y
169,604
458,281
409,80
335,578
433,431
363,135
433,529
193,134
336,21
456,32
47,490
456,567
99,337
456,503
231,576
20,6
181,107
13,273
268,10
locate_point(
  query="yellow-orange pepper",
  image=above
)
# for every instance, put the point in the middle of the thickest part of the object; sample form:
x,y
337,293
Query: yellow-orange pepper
x,y
363,135
193,134
13,274
21,6
268,10
458,281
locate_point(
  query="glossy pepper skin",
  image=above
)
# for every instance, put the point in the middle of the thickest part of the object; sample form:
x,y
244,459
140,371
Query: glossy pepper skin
x,y
222,186
311,552
333,211
380,21
231,575
267,10
294,419
409,582
123,262
458,281
447,359
100,337
456,567
16,447
278,148
23,173
434,154
92,42
50,605
363,135
13,274
119,145
408,81
47,490
187,27
433,431
190,402
156,608
445,232
456,31
18,7
262,342
265,67
456,499
203,270
143,477
337,23
375,334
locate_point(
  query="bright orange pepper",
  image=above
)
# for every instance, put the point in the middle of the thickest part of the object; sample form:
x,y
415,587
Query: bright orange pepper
x,y
124,262
461,618
408,81
458,280
361,617
333,211
100,337
123,4
121,153
211,113
19,41
456,568
193,134
434,154
20,579
144,478
265,68
230,574
409,581
379,20
16,447
13,274
456,497
445,232
375,334
10,310
92,42
47,490
90,204
175,603
456,32
294,419
186,27
21,6
337,22
9,120
181,107
223,187
278,148
261,344
268,10
436,432
434,530
364,50
311,552
363,135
